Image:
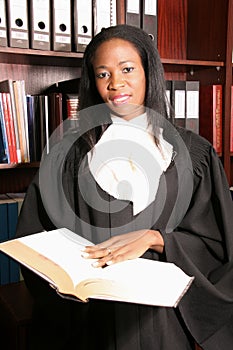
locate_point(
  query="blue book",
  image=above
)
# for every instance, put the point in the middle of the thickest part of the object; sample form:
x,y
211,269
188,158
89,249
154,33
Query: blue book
x,y
4,260
3,155
12,215
5,149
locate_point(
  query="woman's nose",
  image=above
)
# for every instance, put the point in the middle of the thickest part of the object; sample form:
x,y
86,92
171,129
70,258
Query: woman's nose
x,y
116,82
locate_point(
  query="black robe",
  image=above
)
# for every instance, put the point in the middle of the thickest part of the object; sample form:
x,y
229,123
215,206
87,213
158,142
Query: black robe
x,y
199,240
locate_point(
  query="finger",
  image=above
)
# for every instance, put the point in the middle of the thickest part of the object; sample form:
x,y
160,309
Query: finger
x,y
96,253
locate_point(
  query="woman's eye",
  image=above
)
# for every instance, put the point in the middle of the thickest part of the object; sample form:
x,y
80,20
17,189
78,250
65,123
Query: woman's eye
x,y
128,69
102,75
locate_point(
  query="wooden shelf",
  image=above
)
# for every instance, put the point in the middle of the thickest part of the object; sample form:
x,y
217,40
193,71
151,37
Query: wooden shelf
x,y
193,62
20,165
18,51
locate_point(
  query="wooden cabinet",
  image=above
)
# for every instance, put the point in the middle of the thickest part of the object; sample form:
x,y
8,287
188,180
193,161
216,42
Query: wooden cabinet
x,y
195,41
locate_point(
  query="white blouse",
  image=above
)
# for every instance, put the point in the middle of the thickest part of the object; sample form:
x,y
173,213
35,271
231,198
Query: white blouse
x,y
126,162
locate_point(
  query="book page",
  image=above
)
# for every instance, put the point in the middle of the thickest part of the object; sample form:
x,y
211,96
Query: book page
x,y
142,281
63,247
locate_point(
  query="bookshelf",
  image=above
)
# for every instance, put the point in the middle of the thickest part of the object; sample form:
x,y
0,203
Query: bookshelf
x,y
195,41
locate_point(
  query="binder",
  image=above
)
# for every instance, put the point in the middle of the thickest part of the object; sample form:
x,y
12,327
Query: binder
x,y
82,24
168,84
178,98
61,25
3,24
132,15
17,14
192,106
149,18
104,14
39,24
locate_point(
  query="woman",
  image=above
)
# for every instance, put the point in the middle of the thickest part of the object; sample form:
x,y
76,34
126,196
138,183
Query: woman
x,y
136,186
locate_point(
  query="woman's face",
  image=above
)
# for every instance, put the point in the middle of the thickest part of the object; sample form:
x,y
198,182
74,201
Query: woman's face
x,y
120,77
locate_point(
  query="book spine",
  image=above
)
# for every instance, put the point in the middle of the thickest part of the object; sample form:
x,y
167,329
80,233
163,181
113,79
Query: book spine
x,y
218,119
4,260
231,142
12,218
210,121
6,156
12,128
9,130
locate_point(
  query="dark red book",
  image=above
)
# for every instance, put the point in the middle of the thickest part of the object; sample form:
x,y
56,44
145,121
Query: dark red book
x,y
210,122
231,142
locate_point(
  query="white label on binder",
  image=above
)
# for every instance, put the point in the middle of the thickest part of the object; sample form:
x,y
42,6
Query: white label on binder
x,y
179,104
133,6
41,37
150,7
63,39
2,33
19,35
192,104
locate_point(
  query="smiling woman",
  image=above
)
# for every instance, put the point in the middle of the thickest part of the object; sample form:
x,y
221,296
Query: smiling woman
x,y
136,186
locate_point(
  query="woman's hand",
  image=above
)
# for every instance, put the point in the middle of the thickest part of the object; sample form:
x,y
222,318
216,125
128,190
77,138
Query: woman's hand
x,y
124,247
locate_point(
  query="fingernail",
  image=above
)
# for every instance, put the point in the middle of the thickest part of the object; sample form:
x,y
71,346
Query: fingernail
x,y
109,262
95,264
85,255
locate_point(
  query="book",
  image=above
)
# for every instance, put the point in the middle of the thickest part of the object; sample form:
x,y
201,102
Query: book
x,y
231,131
70,96
5,156
12,217
9,126
56,256
4,259
7,86
9,210
210,122
20,102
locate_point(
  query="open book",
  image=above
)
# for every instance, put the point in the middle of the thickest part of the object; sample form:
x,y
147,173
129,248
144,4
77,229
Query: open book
x,y
56,257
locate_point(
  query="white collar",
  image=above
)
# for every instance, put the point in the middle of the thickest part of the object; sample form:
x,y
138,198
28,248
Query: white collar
x,y
126,162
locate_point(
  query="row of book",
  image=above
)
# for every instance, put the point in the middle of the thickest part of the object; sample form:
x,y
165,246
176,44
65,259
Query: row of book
x,y
67,25
10,205
27,121
199,108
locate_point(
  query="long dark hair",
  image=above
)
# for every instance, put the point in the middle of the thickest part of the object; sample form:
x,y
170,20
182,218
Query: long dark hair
x,y
155,98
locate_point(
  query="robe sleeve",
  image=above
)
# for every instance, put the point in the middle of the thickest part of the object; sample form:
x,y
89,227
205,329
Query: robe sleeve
x,y
202,246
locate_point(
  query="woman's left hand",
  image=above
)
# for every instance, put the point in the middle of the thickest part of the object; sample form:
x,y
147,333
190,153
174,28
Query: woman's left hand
x,y
124,247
